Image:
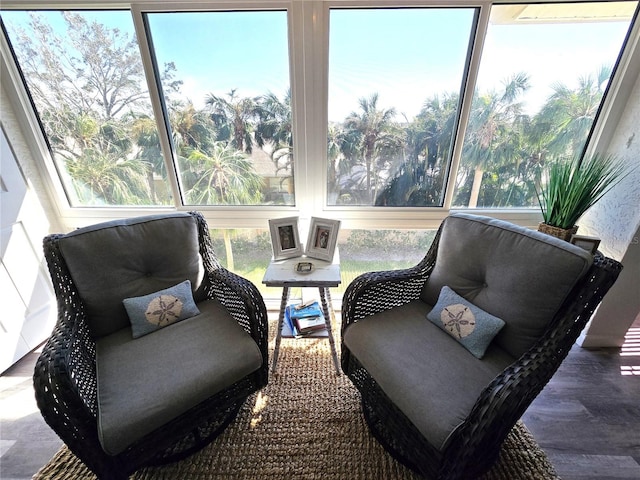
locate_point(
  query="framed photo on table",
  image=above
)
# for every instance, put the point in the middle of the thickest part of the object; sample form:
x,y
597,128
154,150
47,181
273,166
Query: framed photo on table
x,y
590,244
285,239
322,238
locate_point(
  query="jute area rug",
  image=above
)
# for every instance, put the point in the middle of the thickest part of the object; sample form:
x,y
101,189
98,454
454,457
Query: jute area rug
x,y
306,424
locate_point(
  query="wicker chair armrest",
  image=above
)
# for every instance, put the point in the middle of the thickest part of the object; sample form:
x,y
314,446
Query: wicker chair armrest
x,y
507,397
243,301
70,350
237,294
65,381
374,292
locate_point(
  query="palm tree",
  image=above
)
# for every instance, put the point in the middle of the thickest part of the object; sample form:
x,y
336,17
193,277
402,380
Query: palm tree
x,y
418,181
145,133
434,128
100,178
375,135
274,129
191,128
225,176
568,114
232,117
97,155
275,126
490,129
334,154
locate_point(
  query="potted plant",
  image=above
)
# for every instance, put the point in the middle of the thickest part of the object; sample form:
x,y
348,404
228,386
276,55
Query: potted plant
x,y
572,188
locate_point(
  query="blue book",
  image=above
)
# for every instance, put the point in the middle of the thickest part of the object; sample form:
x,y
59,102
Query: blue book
x,y
311,310
290,329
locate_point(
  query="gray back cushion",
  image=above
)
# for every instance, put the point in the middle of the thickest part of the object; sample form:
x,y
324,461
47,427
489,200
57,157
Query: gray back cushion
x,y
517,274
115,260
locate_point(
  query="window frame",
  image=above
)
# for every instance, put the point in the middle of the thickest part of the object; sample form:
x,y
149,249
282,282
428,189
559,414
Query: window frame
x,y
308,37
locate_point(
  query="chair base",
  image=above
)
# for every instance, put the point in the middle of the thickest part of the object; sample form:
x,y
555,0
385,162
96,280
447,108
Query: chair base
x,y
381,435
390,427
402,440
192,441
198,438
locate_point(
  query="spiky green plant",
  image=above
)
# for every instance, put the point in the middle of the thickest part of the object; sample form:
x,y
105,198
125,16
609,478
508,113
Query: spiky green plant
x,y
574,186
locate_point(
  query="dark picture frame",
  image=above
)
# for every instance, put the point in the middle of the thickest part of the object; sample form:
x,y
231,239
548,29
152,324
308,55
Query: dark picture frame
x,y
590,244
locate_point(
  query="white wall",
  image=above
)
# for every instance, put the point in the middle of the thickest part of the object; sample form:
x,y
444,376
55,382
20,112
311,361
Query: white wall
x,y
25,157
29,303
616,221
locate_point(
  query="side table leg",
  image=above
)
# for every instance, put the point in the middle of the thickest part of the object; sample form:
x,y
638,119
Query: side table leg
x,y
283,305
327,320
330,303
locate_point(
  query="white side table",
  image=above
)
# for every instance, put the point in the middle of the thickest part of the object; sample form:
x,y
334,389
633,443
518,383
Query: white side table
x,y
282,273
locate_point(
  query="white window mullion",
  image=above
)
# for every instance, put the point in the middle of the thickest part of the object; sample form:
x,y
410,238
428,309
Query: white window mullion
x,y
159,111
308,53
467,100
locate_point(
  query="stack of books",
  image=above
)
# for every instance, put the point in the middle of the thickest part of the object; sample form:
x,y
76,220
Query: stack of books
x,y
305,319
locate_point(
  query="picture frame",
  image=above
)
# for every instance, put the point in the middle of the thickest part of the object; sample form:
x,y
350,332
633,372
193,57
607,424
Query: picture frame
x,y
285,238
322,238
590,244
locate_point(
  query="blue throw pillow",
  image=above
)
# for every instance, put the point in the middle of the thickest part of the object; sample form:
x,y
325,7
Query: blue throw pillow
x,y
156,310
471,326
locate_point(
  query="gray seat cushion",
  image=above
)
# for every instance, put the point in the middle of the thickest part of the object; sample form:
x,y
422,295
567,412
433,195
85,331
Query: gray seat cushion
x,y
146,382
128,258
425,372
514,273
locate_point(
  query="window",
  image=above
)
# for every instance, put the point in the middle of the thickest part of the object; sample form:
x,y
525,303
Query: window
x,y
87,84
543,73
247,252
395,77
370,250
228,103
383,115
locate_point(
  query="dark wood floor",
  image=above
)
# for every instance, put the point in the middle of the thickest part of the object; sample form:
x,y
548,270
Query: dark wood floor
x,y
587,419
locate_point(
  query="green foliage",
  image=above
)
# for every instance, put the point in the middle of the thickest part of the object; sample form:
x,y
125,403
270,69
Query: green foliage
x,y
574,186
225,177
361,243
86,85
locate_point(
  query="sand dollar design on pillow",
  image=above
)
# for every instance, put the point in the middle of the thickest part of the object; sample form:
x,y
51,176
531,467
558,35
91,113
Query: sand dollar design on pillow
x,y
151,312
163,310
471,326
458,320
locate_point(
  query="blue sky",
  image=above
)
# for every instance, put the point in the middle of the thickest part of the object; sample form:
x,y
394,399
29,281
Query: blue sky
x,y
406,55
422,52
215,52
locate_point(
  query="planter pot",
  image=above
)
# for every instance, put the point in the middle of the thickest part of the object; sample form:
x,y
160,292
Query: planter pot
x,y
562,233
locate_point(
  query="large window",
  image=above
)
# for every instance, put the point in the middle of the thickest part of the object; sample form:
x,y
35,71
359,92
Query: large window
x,y
85,77
247,252
395,78
229,105
543,73
380,115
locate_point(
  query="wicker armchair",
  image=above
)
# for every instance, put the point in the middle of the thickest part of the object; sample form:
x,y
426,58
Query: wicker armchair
x,y
69,372
381,303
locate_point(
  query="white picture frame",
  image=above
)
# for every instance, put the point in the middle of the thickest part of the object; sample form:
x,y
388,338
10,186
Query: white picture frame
x,y
285,238
322,238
